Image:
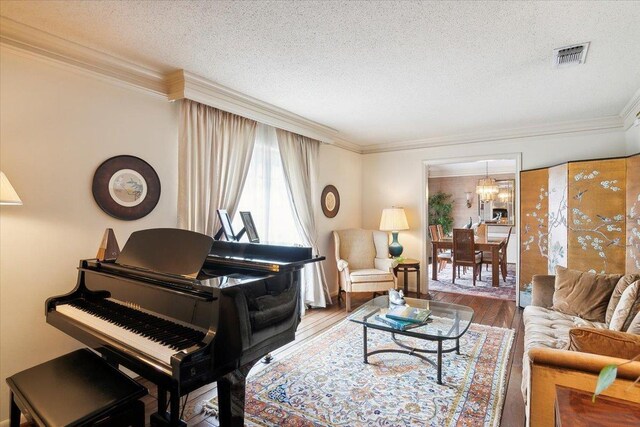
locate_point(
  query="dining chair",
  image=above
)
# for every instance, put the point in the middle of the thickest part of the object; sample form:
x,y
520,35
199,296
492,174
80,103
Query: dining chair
x,y
443,257
487,258
464,253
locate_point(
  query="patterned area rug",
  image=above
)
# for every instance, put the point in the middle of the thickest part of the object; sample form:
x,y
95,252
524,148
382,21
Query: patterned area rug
x,y
464,284
326,383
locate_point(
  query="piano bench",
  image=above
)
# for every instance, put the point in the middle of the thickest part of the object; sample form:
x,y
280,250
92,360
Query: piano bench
x,y
76,389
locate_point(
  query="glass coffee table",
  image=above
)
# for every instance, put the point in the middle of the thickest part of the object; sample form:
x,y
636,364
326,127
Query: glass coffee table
x,y
448,322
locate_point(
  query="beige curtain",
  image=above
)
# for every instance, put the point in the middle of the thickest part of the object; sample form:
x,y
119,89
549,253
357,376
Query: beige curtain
x,y
299,160
214,154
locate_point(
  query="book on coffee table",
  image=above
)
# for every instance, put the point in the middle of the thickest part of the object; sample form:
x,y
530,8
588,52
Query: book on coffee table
x,y
396,324
409,314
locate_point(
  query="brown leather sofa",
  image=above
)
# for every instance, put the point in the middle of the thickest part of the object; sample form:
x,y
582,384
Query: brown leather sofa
x,y
547,362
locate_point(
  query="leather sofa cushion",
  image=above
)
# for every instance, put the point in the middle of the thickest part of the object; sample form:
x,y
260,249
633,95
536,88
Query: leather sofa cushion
x,y
583,294
624,282
604,342
371,275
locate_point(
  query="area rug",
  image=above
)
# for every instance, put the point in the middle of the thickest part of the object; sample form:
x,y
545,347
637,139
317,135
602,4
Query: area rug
x,y
326,383
464,285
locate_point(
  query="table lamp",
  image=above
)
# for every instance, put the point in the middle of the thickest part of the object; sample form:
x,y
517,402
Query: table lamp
x,y
393,220
8,195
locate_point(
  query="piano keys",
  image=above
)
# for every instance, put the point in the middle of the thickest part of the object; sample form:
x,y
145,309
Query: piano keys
x,y
183,311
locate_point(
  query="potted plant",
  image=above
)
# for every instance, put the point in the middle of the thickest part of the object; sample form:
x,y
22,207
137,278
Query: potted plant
x,y
440,208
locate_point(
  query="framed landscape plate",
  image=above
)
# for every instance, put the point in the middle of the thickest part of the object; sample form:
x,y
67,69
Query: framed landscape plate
x,y
330,201
126,187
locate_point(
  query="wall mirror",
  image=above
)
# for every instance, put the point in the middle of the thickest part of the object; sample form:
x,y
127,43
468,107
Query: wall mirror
x,y
501,209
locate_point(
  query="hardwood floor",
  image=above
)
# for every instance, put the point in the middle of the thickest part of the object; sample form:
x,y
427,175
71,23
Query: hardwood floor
x,y
488,311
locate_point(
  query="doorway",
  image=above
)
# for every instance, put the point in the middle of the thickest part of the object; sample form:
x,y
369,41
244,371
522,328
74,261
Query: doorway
x,y
494,217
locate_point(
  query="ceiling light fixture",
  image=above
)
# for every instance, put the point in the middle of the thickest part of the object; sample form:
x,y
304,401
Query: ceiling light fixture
x,y
487,188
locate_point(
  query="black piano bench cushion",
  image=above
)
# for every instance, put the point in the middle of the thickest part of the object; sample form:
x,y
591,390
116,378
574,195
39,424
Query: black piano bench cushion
x,y
79,388
273,309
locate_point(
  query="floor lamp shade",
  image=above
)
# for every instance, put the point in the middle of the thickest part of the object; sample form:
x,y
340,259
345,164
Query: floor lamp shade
x,y
8,195
394,220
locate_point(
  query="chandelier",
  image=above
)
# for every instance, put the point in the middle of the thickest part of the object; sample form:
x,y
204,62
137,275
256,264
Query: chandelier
x,y
487,188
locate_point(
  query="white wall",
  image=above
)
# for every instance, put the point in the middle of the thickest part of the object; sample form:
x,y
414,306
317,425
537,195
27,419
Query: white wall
x,y
396,178
342,169
56,127
632,137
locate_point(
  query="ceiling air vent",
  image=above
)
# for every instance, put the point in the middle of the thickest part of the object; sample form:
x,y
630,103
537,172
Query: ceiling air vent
x,y
570,55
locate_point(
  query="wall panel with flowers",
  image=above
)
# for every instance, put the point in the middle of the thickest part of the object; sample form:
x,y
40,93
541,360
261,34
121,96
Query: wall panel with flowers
x,y
534,232
582,215
633,213
596,216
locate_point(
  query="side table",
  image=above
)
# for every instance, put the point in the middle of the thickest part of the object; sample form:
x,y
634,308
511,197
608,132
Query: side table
x,y
575,408
409,266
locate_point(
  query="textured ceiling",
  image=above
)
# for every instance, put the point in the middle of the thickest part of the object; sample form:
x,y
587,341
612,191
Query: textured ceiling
x,y
377,71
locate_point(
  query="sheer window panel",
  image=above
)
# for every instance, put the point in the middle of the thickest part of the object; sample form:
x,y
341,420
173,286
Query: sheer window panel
x,y
265,193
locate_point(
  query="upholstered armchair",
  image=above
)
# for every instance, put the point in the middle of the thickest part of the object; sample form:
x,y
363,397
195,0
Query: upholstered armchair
x,y
363,262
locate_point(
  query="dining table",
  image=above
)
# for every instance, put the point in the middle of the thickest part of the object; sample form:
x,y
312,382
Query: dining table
x,y
481,243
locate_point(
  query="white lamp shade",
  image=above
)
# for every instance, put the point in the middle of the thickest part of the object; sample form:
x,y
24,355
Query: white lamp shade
x,y
393,219
8,195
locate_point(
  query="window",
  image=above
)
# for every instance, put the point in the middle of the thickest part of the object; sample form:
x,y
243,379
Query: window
x,y
265,193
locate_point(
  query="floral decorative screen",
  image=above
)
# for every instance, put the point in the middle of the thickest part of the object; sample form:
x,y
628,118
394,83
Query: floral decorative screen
x,y
633,213
534,232
581,215
597,199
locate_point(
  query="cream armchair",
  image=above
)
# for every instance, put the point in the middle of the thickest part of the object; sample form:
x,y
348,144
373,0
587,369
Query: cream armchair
x,y
363,262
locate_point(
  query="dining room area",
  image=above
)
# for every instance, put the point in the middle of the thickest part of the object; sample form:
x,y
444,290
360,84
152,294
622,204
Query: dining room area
x,y
471,232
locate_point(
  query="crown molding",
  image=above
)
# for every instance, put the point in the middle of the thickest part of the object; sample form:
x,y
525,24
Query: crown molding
x,y
630,110
37,42
449,173
183,84
576,126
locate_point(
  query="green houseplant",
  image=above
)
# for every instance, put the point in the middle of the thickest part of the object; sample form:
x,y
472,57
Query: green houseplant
x,y
440,208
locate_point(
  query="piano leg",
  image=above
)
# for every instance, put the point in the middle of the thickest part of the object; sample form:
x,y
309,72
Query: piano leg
x,y
231,395
172,419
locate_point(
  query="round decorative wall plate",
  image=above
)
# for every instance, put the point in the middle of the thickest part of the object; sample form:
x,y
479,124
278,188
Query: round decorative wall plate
x,y
126,187
330,201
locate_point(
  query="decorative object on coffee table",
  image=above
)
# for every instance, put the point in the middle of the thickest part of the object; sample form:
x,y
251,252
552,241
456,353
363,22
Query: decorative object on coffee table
x,y
330,201
126,187
396,298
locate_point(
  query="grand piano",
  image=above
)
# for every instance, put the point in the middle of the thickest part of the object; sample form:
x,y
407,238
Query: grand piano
x,y
183,311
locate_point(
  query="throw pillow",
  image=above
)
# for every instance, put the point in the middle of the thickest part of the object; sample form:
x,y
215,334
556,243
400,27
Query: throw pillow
x,y
604,342
623,283
634,327
583,294
627,308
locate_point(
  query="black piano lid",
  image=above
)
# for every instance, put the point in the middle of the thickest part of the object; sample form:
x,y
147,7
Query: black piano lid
x,y
167,250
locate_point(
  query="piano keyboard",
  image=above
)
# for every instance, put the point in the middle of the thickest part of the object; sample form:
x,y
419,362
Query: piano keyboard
x,y
149,334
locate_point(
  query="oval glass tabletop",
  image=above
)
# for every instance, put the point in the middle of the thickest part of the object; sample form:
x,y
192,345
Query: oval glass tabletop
x,y
447,321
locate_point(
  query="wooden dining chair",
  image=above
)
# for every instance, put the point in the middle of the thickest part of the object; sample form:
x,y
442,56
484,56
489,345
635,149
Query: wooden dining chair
x,y
464,253
442,257
487,258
